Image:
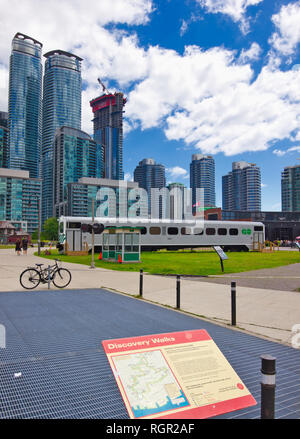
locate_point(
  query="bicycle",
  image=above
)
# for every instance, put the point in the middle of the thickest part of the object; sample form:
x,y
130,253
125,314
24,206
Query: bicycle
x,y
32,277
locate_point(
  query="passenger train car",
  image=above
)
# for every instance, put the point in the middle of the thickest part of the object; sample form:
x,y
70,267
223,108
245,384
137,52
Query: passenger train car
x,y
169,234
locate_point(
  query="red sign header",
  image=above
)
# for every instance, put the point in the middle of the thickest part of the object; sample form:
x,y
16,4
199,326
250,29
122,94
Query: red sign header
x,y
152,341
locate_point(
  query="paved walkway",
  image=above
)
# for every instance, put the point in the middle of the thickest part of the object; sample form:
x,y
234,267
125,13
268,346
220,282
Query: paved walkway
x,y
286,278
265,312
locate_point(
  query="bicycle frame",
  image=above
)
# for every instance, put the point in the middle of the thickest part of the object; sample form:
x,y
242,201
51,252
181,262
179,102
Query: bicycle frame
x,y
47,273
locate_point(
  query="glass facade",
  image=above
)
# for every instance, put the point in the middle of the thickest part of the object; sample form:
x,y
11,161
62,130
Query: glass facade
x,y
4,153
18,199
81,194
24,104
74,158
241,188
149,174
108,133
202,175
290,189
61,107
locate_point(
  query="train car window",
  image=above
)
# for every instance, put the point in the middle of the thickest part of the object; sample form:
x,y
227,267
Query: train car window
x,y
233,232
74,225
135,239
172,231
222,232
154,230
210,231
119,242
128,242
186,231
197,231
105,241
258,228
144,231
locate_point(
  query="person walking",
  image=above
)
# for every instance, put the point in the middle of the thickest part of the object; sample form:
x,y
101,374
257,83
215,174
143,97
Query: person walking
x,y
25,245
18,247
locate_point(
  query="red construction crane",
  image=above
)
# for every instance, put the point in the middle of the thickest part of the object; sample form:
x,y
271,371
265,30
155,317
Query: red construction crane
x,y
103,87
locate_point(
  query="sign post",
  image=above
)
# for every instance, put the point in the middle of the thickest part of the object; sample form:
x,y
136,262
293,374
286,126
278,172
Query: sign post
x,y
93,235
179,375
222,255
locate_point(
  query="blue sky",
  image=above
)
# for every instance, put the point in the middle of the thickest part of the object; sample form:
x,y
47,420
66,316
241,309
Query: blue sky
x,y
214,76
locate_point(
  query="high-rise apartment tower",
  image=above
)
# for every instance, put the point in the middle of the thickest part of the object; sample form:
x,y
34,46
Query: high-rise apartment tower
x,y
61,107
290,189
108,133
24,104
241,188
202,176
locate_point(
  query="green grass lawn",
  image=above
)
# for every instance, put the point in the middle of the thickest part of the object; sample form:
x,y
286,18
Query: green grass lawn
x,y
205,263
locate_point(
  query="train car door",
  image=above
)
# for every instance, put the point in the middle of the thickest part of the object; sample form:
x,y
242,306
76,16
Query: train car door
x,y
70,239
258,238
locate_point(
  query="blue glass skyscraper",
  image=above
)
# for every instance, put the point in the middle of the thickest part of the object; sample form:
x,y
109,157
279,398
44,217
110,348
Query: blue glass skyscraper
x,y
202,176
24,104
4,153
61,107
151,175
108,133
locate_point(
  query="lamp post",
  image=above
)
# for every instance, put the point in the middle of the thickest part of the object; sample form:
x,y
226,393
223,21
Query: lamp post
x,y
93,235
39,221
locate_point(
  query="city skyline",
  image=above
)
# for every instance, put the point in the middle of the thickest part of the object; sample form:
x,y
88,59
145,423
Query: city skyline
x,y
199,77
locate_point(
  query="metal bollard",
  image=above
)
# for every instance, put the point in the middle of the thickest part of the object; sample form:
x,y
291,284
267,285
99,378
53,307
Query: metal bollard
x,y
141,282
178,291
49,281
233,303
268,386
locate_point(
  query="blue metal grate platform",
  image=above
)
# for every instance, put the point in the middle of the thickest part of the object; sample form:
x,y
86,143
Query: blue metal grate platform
x,y
54,365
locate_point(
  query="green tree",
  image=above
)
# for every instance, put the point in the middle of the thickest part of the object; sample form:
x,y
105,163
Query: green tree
x,y
50,229
34,235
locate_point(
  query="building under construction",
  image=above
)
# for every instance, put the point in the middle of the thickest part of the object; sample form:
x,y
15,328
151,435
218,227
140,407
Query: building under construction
x,y
108,133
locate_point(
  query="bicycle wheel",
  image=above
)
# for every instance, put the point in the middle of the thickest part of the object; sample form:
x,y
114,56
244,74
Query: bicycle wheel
x,y
30,278
62,278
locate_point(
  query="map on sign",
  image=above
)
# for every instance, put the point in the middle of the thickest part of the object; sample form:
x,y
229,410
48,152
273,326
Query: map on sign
x,y
149,383
175,375
220,252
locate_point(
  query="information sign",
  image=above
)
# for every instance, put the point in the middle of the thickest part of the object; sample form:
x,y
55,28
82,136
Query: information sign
x,y
175,375
221,254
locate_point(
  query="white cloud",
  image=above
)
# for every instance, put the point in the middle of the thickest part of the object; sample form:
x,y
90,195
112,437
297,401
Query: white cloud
x,y
251,54
280,152
236,9
177,172
183,27
287,36
3,87
210,101
128,176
